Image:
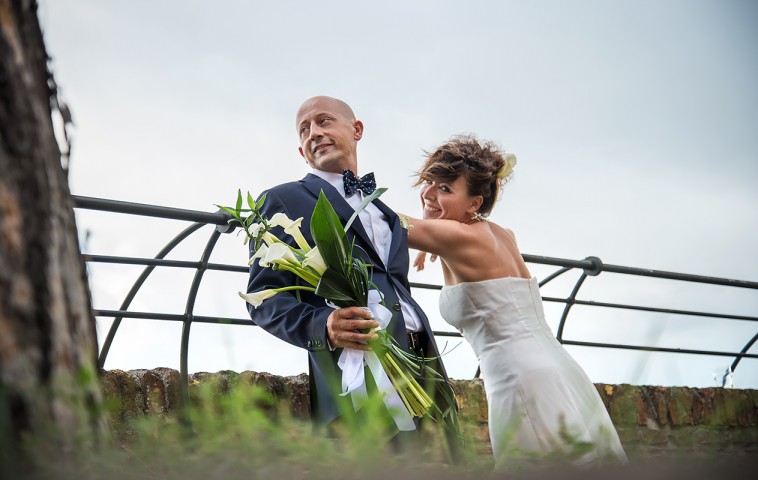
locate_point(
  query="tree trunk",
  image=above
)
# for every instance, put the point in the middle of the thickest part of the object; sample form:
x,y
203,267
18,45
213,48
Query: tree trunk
x,y
49,394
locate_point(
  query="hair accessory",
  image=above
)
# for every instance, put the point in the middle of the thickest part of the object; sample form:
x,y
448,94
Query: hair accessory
x,y
478,217
507,169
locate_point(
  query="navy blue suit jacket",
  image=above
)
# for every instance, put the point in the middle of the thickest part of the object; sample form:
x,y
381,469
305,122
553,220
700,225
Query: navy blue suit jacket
x,y
303,322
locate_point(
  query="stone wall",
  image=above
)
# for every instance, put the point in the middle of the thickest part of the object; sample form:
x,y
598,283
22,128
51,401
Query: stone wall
x,y
651,421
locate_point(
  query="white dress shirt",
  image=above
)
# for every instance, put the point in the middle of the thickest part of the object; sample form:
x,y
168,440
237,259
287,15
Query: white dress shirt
x,y
377,227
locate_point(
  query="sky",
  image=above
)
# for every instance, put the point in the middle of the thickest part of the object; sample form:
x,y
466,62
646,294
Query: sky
x,y
634,123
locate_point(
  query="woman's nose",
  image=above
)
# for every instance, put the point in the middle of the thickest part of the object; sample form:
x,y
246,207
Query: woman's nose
x,y
427,191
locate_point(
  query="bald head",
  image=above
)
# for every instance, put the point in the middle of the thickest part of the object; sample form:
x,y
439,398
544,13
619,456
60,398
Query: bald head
x,y
334,105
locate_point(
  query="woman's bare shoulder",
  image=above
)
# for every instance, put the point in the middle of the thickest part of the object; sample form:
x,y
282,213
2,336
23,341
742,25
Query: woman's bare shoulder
x,y
502,231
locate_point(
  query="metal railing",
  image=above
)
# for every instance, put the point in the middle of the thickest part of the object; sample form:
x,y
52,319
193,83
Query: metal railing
x,y
590,266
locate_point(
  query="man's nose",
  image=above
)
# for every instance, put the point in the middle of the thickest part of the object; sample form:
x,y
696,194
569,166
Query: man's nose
x,y
316,132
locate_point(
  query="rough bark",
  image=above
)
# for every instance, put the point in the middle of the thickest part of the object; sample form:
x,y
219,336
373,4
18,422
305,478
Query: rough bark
x,y
49,397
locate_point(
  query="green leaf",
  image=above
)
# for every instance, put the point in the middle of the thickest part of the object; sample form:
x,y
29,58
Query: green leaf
x,y
260,203
329,236
377,193
251,203
229,211
239,202
359,281
335,287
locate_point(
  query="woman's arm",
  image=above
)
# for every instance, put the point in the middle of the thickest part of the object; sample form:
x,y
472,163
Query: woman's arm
x,y
446,238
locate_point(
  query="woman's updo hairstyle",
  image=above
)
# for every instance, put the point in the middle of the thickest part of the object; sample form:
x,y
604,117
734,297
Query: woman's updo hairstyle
x,y
486,167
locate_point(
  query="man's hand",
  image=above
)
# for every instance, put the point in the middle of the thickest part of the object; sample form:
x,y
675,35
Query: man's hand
x,y
343,324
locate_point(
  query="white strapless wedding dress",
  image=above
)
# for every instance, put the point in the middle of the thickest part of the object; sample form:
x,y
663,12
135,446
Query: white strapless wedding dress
x,y
539,398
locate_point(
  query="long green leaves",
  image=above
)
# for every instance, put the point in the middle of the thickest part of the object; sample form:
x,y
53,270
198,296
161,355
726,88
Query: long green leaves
x,y
377,193
346,280
329,236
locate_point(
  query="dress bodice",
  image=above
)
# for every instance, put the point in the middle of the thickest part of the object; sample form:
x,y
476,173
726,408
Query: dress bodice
x,y
491,312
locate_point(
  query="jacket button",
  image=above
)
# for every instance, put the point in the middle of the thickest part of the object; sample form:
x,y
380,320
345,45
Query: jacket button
x,y
308,344
396,307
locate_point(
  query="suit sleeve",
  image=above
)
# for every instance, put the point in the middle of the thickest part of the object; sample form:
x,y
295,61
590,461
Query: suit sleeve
x,y
300,322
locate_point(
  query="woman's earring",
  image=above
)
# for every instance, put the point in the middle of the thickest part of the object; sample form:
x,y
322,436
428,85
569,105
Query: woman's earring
x,y
478,217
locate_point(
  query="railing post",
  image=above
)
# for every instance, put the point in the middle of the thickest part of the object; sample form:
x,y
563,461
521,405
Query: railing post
x,y
189,312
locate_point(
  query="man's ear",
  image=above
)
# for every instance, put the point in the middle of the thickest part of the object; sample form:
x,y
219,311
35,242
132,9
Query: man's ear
x,y
358,127
300,149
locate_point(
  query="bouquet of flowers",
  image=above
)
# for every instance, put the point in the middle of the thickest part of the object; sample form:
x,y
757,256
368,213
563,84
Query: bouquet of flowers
x,y
331,270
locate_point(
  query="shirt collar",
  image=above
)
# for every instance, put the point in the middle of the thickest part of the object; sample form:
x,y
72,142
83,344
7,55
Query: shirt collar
x,y
334,179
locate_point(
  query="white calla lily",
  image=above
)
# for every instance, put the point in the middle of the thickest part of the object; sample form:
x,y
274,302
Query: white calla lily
x,y
256,298
252,231
255,229
291,227
282,220
270,238
294,230
280,253
314,260
260,253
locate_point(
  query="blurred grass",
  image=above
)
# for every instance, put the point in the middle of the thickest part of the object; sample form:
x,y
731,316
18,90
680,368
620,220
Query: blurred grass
x,y
243,433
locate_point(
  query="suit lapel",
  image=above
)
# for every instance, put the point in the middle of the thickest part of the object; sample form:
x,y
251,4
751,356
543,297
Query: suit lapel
x,y
315,185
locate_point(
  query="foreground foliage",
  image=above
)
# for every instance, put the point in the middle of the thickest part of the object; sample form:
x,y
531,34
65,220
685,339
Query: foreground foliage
x,y
243,434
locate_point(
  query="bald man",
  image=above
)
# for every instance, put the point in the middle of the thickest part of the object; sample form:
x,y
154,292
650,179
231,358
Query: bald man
x,y
329,134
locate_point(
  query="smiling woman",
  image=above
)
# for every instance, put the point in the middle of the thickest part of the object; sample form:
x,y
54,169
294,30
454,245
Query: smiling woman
x,y
537,394
461,180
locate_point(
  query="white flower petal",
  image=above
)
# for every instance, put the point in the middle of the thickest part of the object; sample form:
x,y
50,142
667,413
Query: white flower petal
x,y
256,298
281,220
255,229
314,260
280,253
260,253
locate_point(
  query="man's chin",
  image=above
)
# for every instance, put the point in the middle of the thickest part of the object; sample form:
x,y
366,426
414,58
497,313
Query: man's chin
x,y
327,164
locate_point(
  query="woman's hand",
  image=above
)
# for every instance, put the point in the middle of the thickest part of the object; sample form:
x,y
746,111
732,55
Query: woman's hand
x,y
420,260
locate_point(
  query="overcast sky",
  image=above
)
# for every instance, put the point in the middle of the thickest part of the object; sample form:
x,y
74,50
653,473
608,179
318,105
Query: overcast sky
x,y
635,124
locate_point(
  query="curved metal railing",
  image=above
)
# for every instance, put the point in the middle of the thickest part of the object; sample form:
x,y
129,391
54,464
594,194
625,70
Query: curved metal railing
x,y
590,266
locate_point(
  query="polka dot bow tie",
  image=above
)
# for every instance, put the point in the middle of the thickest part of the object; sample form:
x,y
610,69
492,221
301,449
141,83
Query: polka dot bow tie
x,y
366,183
